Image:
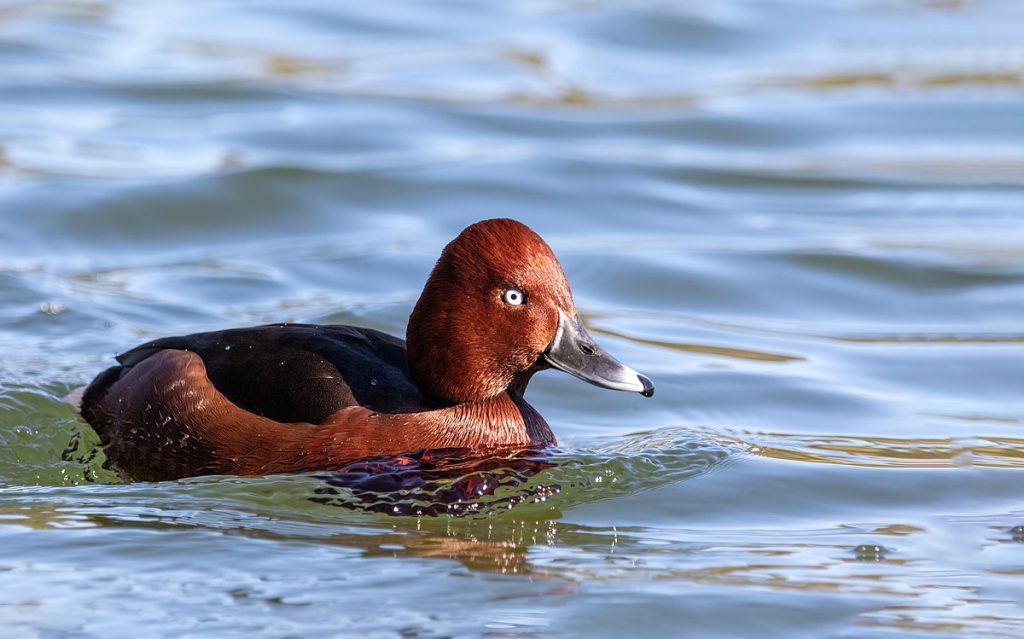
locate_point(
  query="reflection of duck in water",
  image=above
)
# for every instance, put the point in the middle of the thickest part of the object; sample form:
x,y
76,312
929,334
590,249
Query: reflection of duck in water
x,y
499,549
453,481
496,309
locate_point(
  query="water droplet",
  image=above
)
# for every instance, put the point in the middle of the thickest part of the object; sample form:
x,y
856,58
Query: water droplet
x,y
870,552
227,348
51,308
373,382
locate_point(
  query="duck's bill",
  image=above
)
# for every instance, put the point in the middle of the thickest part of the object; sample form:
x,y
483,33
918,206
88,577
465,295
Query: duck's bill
x,y
574,351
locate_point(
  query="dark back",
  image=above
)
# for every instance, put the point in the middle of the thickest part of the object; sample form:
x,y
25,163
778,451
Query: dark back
x,y
299,372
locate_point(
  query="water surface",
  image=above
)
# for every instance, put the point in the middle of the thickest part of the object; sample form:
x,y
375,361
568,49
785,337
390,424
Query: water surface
x,y
803,220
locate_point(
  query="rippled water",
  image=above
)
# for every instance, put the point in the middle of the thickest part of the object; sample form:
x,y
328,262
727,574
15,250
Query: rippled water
x,y
804,220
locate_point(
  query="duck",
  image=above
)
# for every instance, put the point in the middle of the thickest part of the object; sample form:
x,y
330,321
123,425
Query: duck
x,y
495,310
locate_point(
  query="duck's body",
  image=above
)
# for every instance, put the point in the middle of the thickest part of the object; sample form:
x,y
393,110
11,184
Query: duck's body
x,y
283,398
290,397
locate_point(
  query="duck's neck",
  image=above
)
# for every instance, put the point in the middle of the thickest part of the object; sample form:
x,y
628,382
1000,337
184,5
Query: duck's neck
x,y
496,421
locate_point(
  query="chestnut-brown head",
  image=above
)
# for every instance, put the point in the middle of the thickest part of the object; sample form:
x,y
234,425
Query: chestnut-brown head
x,y
496,309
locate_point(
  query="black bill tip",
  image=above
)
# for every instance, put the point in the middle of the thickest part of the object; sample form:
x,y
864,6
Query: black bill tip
x,y
648,390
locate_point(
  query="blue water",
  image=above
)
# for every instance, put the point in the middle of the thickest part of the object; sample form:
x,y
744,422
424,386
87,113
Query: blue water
x,y
803,220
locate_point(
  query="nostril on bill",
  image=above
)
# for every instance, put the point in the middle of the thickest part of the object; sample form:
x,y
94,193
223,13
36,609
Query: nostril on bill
x,y
587,350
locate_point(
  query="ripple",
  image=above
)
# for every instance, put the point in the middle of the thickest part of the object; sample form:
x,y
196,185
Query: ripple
x,y
43,443
889,452
458,483
706,349
96,159
934,338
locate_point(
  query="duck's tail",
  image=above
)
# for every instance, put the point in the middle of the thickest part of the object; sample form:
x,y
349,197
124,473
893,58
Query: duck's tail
x,y
86,399
75,398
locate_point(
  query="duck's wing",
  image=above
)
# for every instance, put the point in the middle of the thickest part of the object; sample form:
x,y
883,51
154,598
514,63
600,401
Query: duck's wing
x,y
296,372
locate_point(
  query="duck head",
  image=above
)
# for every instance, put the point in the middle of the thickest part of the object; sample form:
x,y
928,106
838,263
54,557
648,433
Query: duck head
x,y
496,309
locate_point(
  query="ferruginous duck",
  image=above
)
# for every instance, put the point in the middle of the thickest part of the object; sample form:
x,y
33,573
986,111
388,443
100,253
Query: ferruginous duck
x,y
291,397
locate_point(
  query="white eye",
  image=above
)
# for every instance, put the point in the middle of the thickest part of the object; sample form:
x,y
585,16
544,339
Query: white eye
x,y
513,297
